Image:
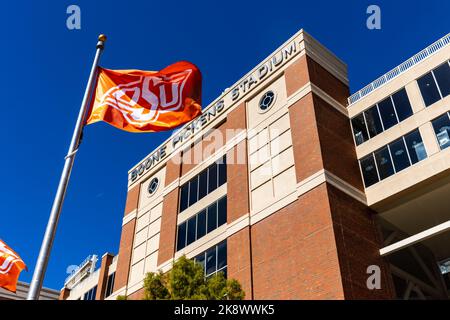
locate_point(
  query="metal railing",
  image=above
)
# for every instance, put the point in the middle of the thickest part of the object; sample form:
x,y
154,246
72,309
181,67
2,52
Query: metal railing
x,y
425,53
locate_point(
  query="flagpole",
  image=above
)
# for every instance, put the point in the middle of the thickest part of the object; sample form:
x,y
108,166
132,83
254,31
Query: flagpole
x,y
47,242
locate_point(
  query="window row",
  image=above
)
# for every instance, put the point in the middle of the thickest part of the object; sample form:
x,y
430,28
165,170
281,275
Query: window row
x,y
110,284
441,128
204,183
90,295
381,116
435,85
214,260
202,223
393,158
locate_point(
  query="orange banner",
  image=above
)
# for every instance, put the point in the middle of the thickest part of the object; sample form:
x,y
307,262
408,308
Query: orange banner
x,y
10,267
147,101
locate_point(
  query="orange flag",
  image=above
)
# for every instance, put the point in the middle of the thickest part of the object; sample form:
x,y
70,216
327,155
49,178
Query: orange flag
x,y
147,101
10,267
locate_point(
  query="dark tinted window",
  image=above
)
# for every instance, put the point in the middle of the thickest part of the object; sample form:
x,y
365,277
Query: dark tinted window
x,y
221,255
212,217
399,155
387,113
441,128
181,241
211,261
212,172
415,146
428,89
201,260
222,211
193,191
359,129
191,230
203,184
184,196
384,163
402,105
201,224
110,284
222,173
373,121
369,170
442,74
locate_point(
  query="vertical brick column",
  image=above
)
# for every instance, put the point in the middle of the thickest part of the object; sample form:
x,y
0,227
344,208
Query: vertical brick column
x,y
103,276
126,240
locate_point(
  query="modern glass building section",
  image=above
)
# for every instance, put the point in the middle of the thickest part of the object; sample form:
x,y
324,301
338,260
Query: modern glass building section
x,y
295,187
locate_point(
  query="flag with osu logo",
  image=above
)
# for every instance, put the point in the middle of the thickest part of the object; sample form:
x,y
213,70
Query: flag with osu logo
x,y
10,267
147,101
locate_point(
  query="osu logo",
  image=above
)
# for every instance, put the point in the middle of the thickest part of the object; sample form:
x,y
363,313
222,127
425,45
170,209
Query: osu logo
x,y
142,101
7,259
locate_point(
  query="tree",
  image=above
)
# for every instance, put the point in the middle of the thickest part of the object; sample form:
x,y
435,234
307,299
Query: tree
x,y
186,281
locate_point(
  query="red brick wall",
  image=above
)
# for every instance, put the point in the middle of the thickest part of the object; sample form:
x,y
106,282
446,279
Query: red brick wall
x,y
294,251
132,199
138,295
168,227
239,260
103,276
124,259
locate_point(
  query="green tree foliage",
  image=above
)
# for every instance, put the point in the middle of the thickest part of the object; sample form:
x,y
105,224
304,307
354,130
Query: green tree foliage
x,y
186,281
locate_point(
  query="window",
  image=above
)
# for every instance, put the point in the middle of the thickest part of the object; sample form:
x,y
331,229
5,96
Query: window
x,y
202,223
402,105
214,260
202,184
399,155
384,163
110,284
416,148
392,158
181,241
381,116
435,85
359,129
266,101
373,121
90,295
369,171
153,186
441,128
387,113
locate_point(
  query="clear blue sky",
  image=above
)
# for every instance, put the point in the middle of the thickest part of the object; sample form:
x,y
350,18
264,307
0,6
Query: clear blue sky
x,y
45,68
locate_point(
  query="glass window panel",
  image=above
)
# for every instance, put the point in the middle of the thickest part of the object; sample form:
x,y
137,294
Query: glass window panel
x,y
201,224
222,173
359,129
384,163
415,146
222,211
193,190
402,105
428,89
212,217
442,74
203,184
211,261
181,241
387,113
212,177
373,121
441,127
369,170
221,255
191,230
201,260
184,196
399,155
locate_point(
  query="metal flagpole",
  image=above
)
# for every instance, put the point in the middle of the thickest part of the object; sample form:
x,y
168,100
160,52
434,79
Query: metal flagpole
x,y
47,242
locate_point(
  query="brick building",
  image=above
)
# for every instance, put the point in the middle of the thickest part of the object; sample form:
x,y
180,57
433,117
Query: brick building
x,y
296,188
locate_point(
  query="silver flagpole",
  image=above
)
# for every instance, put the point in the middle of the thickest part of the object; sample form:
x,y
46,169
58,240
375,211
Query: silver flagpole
x,y
47,242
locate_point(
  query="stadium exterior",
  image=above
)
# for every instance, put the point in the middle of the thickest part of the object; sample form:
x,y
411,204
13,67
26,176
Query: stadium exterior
x,y
301,191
